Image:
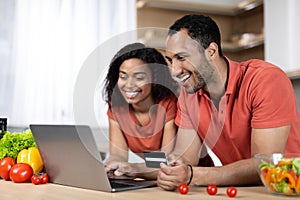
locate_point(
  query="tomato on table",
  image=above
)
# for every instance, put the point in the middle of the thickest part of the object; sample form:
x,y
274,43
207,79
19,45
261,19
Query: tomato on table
x,y
36,180
6,164
21,173
212,189
231,191
39,178
183,188
44,178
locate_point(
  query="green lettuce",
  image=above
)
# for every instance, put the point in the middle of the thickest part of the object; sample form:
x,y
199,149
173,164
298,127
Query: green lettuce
x,y
12,143
296,166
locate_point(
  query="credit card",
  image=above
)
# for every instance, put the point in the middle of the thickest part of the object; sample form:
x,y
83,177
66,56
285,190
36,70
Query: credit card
x,y
154,158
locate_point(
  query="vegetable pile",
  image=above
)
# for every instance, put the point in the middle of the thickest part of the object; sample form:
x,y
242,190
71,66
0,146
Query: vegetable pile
x,y
12,143
20,159
283,177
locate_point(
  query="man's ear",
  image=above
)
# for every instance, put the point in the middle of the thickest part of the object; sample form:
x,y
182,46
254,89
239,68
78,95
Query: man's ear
x,y
212,50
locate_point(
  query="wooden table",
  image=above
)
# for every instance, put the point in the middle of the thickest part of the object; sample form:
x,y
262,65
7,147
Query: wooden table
x,y
10,190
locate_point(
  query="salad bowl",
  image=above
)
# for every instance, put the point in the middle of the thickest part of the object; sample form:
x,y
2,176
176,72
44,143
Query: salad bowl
x,y
280,173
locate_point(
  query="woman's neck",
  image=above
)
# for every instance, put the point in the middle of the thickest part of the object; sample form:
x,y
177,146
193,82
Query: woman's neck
x,y
143,106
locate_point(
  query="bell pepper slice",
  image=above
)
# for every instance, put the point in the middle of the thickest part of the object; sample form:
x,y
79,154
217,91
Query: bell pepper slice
x,y
297,189
271,175
32,157
284,162
290,180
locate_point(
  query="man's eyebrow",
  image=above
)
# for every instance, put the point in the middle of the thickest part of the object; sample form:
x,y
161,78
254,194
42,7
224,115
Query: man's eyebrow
x,y
179,54
168,58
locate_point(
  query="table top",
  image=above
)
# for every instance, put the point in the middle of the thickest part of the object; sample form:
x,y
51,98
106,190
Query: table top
x,y
9,190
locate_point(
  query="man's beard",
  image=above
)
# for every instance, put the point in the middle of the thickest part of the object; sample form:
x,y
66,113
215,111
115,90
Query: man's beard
x,y
199,84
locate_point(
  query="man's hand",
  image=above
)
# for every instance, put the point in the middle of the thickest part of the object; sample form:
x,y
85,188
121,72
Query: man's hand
x,y
170,177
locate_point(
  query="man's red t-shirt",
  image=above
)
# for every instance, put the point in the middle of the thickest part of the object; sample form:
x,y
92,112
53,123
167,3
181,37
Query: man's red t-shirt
x,y
149,137
258,95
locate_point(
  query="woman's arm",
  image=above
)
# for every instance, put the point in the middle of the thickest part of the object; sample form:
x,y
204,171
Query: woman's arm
x,y
140,169
187,147
118,149
169,137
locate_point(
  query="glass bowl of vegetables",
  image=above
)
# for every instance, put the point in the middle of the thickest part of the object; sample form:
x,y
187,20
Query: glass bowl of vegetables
x,y
280,173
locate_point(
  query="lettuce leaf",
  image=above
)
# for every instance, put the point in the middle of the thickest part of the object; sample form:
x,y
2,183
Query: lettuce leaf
x,y
12,143
296,166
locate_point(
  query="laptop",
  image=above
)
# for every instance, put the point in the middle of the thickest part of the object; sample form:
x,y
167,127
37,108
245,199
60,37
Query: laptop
x,y
71,158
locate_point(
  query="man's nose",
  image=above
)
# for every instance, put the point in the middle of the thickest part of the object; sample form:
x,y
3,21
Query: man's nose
x,y
175,68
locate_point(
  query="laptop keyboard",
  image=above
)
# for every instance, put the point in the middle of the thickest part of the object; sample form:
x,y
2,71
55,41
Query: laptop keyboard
x,y
116,184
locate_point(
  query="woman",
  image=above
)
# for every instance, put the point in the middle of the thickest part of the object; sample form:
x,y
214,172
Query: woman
x,y
141,96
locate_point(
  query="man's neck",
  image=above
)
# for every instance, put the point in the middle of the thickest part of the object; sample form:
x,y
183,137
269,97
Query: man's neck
x,y
217,88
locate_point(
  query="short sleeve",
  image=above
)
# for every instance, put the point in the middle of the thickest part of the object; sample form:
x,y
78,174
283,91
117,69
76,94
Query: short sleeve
x,y
109,113
182,117
272,99
171,108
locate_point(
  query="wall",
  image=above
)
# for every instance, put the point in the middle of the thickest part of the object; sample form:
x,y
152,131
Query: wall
x,y
282,30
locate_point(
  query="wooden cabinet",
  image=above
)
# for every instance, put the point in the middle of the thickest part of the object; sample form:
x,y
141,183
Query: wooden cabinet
x,y
241,27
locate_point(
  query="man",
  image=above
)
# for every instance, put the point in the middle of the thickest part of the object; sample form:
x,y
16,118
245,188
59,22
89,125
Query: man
x,y
236,109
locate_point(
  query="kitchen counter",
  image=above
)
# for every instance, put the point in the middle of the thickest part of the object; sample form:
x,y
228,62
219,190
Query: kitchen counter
x,y
10,190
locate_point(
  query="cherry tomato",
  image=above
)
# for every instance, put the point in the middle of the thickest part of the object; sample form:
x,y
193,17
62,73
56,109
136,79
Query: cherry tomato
x,y
183,189
40,178
36,180
212,189
5,165
231,191
44,178
21,173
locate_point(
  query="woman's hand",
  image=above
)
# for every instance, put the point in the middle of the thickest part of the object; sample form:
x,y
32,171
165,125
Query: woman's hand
x,y
118,169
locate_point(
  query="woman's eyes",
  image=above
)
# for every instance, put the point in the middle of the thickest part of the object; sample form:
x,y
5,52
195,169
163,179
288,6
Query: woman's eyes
x,y
138,78
123,77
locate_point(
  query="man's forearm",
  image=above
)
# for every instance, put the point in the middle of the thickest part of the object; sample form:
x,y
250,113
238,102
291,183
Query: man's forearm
x,y
242,172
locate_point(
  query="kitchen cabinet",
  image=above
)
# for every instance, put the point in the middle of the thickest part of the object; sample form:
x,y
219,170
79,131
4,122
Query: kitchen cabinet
x,y
241,27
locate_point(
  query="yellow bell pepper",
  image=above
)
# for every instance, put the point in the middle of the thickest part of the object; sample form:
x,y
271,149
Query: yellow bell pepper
x,y
32,157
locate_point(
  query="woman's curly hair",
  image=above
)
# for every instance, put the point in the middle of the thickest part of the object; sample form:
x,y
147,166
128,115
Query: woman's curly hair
x,y
163,86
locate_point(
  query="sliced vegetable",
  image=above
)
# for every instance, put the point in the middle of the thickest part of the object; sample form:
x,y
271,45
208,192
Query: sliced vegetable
x,y
285,162
296,166
298,185
283,177
288,178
